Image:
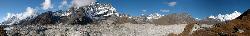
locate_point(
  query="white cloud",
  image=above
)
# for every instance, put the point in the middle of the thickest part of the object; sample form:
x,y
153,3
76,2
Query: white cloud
x,y
197,18
143,10
79,3
142,13
63,3
46,4
171,3
29,11
164,10
17,17
225,17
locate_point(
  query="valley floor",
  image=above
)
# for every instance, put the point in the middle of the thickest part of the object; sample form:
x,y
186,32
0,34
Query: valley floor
x,y
126,29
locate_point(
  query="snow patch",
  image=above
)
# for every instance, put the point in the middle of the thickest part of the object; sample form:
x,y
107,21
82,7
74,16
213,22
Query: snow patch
x,y
154,16
8,28
240,31
66,14
107,10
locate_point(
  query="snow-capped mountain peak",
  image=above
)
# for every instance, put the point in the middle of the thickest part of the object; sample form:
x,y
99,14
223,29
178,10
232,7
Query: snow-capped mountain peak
x,y
226,17
95,11
15,18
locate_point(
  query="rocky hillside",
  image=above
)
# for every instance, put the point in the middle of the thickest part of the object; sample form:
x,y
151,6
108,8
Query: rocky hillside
x,y
235,27
176,18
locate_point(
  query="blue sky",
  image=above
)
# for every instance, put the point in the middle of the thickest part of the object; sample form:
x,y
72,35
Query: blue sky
x,y
197,8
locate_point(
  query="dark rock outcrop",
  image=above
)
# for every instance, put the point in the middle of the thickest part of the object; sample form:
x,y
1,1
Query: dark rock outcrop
x,y
244,14
45,18
2,31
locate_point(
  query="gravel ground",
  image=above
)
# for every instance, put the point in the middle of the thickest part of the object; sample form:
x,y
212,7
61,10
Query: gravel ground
x,y
107,29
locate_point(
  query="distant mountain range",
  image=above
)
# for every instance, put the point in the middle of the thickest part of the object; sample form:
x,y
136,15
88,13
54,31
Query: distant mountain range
x,y
94,13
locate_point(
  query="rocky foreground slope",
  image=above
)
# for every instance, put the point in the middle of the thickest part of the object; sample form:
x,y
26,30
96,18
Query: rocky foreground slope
x,y
236,27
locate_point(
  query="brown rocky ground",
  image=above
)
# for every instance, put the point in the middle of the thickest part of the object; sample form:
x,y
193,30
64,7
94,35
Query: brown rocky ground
x,y
105,29
237,27
176,18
